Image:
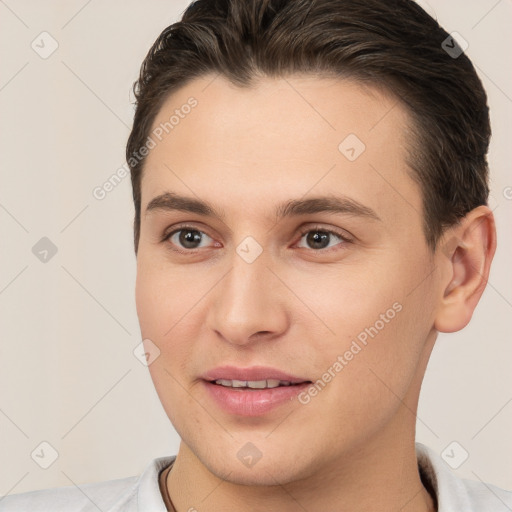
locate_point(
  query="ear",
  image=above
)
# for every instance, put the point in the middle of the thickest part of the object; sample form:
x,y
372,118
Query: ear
x,y
464,255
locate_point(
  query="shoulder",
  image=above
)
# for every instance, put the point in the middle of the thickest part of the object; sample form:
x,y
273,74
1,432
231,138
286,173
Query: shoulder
x,y
454,493
94,496
121,494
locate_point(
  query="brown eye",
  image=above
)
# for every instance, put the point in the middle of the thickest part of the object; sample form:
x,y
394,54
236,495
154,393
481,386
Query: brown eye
x,y
318,239
187,238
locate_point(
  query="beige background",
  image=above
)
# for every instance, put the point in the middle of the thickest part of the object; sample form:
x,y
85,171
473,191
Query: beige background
x,y
68,375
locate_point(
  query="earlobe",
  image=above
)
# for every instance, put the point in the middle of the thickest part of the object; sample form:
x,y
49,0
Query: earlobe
x,y
464,254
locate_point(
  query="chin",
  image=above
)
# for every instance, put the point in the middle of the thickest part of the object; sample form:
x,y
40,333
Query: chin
x,y
262,474
275,467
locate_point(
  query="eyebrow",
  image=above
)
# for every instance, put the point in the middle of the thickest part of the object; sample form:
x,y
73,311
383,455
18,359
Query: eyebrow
x,y
170,201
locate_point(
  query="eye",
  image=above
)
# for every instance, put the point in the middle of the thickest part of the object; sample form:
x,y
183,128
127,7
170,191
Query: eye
x,y
320,238
188,238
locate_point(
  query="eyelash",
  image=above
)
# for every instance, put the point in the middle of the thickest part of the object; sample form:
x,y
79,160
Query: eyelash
x,y
345,239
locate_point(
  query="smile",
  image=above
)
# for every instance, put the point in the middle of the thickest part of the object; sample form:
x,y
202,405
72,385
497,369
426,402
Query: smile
x,y
253,384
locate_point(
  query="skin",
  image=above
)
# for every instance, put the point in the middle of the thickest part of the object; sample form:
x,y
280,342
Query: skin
x,y
297,307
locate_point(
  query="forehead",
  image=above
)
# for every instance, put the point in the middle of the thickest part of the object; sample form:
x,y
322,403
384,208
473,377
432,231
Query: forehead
x,y
280,139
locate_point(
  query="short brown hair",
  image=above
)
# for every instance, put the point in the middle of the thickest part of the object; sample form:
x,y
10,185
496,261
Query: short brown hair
x,y
392,44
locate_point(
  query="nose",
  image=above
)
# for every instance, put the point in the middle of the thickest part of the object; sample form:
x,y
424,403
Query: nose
x,y
249,304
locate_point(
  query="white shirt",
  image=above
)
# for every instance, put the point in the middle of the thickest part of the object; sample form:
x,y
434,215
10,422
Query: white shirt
x,y
142,493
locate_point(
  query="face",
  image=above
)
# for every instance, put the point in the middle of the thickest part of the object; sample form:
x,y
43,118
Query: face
x,y
281,244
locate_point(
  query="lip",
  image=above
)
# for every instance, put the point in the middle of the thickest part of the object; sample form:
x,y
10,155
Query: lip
x,y
251,373
251,402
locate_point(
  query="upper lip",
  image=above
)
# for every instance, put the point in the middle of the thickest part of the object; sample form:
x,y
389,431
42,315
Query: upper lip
x,y
250,374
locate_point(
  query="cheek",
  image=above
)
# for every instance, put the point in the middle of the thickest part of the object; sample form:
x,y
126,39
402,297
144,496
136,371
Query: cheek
x,y
344,300
162,304
377,319
164,294
171,303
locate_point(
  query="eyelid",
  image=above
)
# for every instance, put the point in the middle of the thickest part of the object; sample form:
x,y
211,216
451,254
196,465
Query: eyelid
x,y
342,234
176,248
179,227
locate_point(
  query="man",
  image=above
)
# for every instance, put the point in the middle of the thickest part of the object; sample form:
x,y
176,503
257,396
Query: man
x,y
310,187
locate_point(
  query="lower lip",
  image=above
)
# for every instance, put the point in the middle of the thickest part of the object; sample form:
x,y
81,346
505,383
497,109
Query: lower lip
x,y
252,402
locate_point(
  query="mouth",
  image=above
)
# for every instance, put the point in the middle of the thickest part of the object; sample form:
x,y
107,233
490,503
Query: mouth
x,y
254,377
256,384
253,391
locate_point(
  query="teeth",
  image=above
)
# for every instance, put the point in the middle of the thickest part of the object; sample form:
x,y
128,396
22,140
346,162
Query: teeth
x,y
223,382
257,384
253,384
